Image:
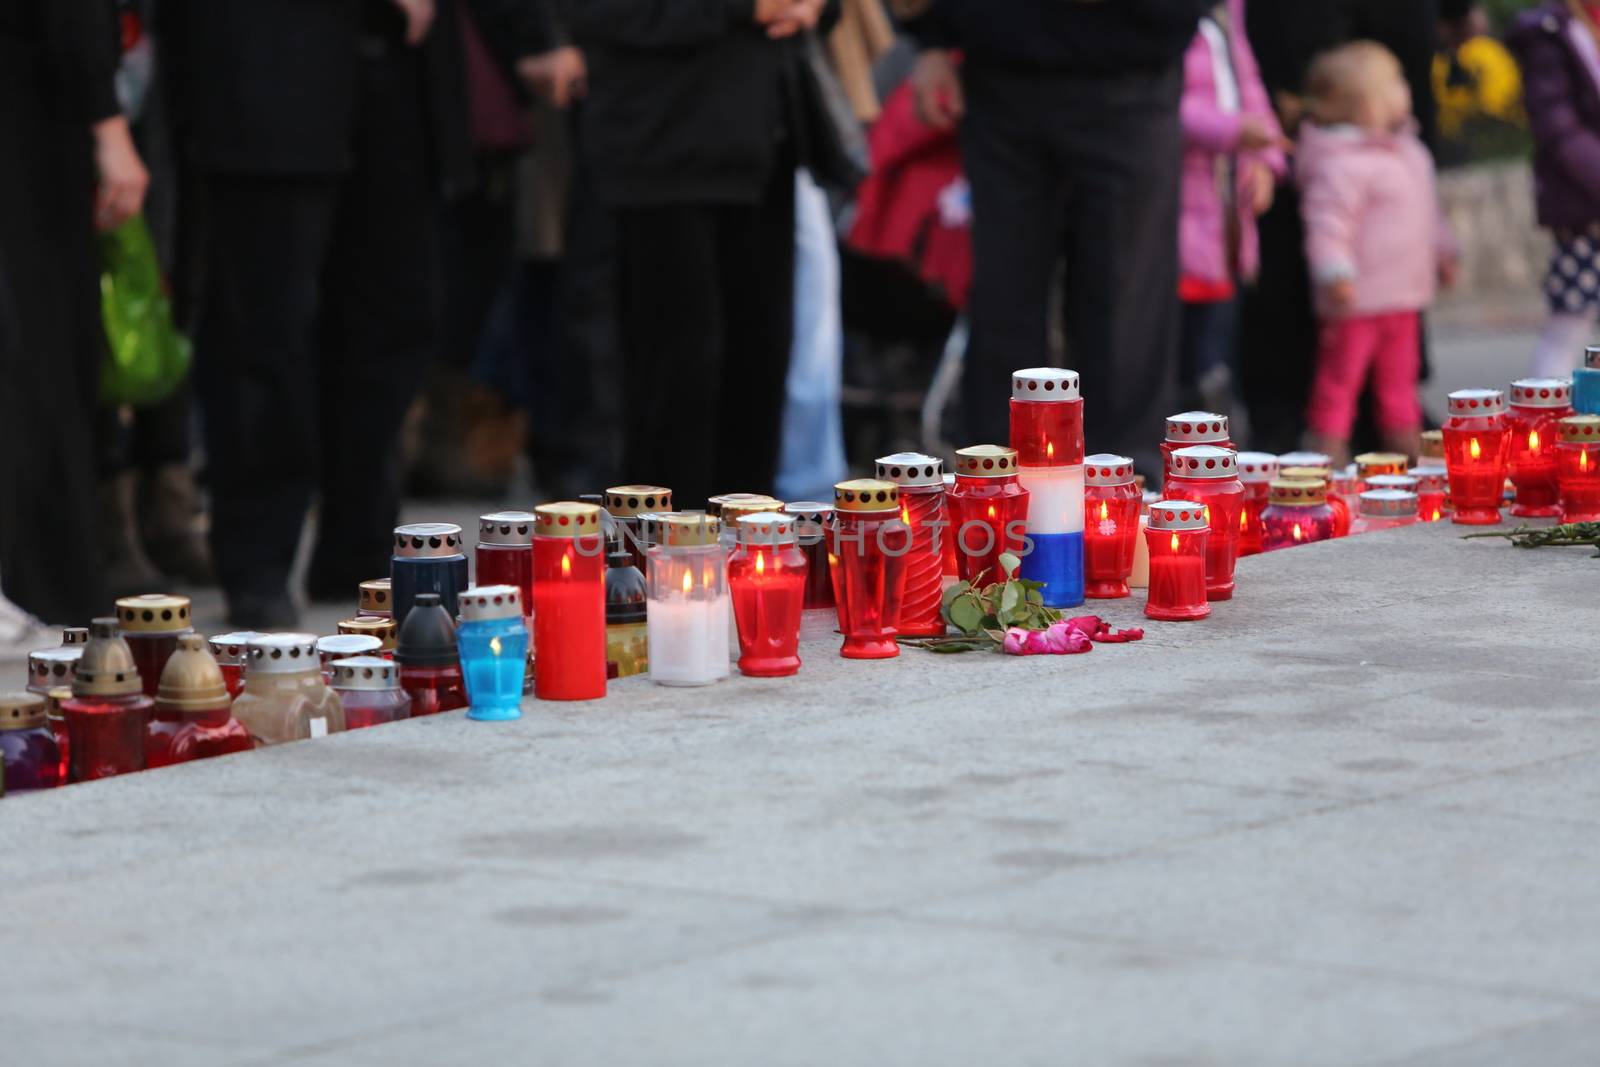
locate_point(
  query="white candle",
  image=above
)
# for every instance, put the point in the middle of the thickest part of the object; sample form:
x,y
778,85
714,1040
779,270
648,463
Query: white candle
x,y
689,640
1055,498
1140,578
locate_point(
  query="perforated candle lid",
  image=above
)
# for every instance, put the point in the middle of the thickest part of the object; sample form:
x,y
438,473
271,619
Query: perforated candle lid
x,y
1257,467
690,529
1584,429
1299,492
74,635
1388,504
1305,459
53,666
1197,427
809,510
1177,515
1404,482
153,613
1315,474
191,680
986,461
375,597
1591,356
22,711
512,528
343,646
1044,384
1203,461
1476,403
482,603
1541,392
1104,468
911,469
1431,478
715,504
626,501
427,539
1432,444
567,518
365,672
734,510
866,495
768,528
233,649
283,654
1371,463
106,667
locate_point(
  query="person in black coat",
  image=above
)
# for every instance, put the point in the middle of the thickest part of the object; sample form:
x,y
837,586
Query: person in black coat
x,y
69,166
322,133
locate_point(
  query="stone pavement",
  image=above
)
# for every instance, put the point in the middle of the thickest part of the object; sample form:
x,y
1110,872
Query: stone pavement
x,y
1354,818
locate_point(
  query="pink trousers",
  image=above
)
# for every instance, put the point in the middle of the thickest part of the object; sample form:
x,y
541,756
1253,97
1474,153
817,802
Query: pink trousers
x,y
1383,347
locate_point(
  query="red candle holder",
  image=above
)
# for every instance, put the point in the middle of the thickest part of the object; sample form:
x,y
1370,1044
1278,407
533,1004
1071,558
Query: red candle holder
x,y
869,542
1335,502
193,715
1537,407
369,691
767,580
811,528
375,599
989,508
1211,475
1177,535
57,720
1578,462
505,551
152,624
1297,514
569,600
1046,417
429,659
1256,472
626,504
922,509
108,711
1194,428
1384,509
1111,502
1477,445
1433,499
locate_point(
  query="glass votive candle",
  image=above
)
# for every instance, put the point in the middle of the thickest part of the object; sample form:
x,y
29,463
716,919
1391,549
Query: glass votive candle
x,y
1194,428
1343,516
193,715
1297,514
869,543
1111,501
952,569
285,698
52,667
625,504
1432,491
430,664
1578,462
368,688
427,558
28,748
1537,407
1372,464
152,624
1046,417
989,508
627,635
1211,475
1384,509
569,602
689,608
1586,383
812,519
1477,445
375,599
231,652
1047,435
344,646
505,551
1256,472
1406,483
108,712
1139,577
57,721
922,509
767,583
1177,535
385,630
493,644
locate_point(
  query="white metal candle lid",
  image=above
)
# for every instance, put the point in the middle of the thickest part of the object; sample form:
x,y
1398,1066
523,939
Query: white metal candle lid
x,y
1591,356
1431,478
1103,468
911,468
1541,392
1469,403
1197,427
365,672
809,510
481,603
232,649
283,653
1044,383
427,539
53,666
1388,503
768,528
1404,482
1257,466
1177,515
513,528
343,646
1203,461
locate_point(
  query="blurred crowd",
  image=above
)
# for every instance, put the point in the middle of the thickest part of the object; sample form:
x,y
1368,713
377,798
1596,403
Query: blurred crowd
x,y
445,246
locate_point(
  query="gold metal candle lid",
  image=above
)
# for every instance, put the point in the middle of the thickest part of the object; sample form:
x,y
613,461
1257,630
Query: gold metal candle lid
x,y
383,629
54,699
375,597
714,505
153,613
567,518
689,529
1299,492
867,495
1581,428
1314,474
1371,463
106,668
734,510
986,461
191,680
22,711
1432,444
626,501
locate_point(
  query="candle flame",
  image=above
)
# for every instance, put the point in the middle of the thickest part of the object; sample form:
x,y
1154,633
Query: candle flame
x,y
1298,534
1174,542
761,563
1049,450
1105,511
833,561
494,646
566,566
991,511
1583,459
1533,441
1438,513
905,514
1244,519
1473,449
688,582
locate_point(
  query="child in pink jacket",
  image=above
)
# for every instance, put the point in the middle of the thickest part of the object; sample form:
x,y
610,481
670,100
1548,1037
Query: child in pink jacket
x,y
1375,242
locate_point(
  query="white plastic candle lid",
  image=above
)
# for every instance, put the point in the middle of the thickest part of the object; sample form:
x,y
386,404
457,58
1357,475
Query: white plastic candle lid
x,y
365,672
1177,515
1304,459
1388,504
1469,403
911,468
1404,482
1197,427
343,646
283,653
1203,461
481,603
1103,468
1541,392
1044,383
1257,466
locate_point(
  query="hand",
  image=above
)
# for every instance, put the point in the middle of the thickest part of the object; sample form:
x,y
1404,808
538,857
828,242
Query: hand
x,y
123,179
800,15
419,19
1340,296
936,84
1256,134
1449,271
1260,185
560,76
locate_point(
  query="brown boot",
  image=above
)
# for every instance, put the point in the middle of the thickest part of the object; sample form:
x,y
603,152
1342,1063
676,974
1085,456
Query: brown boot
x,y
172,525
128,571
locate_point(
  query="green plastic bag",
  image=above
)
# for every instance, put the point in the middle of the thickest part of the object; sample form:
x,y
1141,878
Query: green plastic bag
x,y
148,357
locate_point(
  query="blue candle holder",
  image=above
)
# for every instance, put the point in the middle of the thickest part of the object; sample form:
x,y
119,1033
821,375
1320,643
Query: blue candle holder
x,y
1586,383
492,643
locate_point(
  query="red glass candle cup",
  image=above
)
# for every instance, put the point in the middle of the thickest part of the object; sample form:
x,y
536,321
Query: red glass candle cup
x,y
1578,461
922,508
989,509
375,600
369,690
1335,502
107,714
1432,492
1211,475
626,504
1177,537
812,520
1111,502
152,624
1477,445
1384,509
193,716
569,603
1297,514
1046,417
1537,407
1256,472
505,551
869,542
28,749
232,652
57,721
430,670
767,580
1194,428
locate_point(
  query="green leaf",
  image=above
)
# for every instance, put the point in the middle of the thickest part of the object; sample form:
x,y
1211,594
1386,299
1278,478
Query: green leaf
x,y
965,614
1036,598
951,594
1009,564
1013,605
989,622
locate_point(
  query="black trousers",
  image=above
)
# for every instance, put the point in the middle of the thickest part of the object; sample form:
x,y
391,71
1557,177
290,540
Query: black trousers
x,y
1086,169
319,311
707,308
